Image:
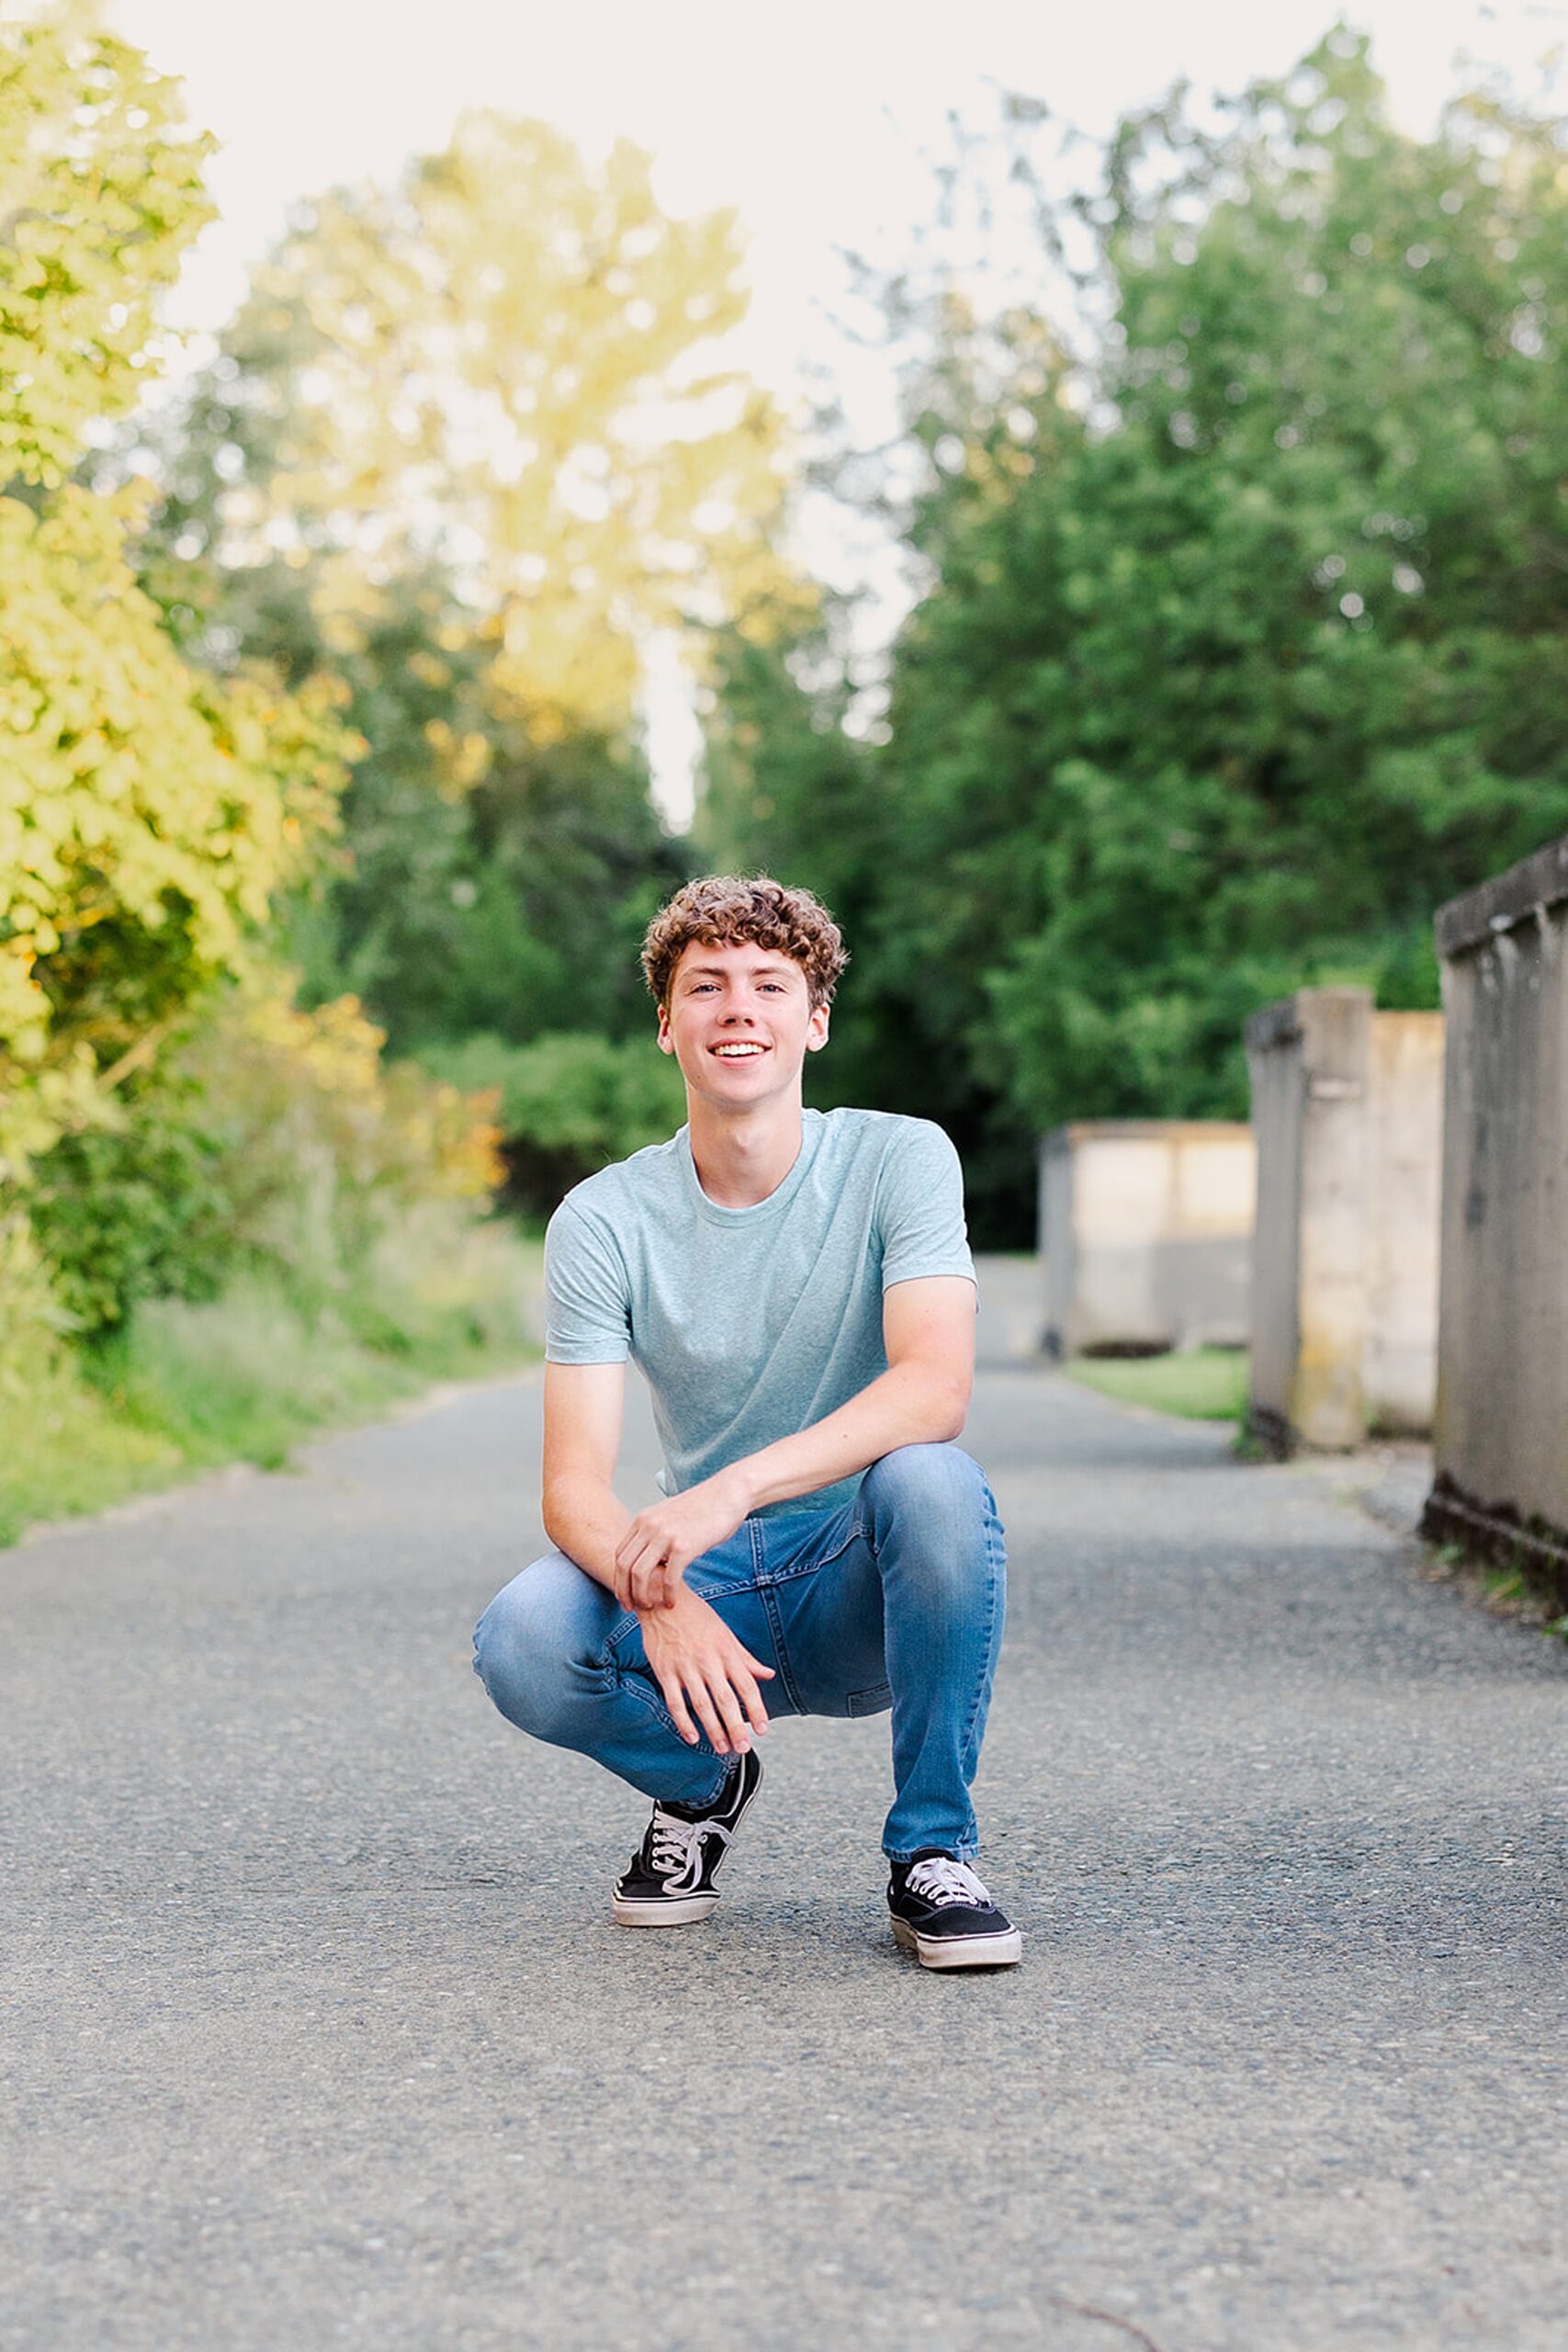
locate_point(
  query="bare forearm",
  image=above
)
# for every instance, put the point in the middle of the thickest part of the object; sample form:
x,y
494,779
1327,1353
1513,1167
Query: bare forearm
x,y
911,1403
586,1519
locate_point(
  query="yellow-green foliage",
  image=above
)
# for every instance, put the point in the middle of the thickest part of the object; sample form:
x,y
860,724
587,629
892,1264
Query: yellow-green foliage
x,y
325,1152
516,338
146,814
100,193
269,1142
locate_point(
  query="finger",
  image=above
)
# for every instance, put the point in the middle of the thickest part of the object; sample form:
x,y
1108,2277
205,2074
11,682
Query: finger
x,y
727,1700
646,1584
708,1716
752,1699
633,1544
675,1699
649,1580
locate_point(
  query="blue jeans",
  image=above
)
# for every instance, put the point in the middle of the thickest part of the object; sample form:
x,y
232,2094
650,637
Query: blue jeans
x,y
894,1600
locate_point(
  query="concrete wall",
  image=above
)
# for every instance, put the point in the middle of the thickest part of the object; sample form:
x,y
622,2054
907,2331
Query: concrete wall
x,y
1346,1105
1502,1419
1144,1234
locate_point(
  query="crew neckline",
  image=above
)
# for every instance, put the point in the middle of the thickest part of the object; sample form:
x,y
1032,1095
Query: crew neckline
x,y
811,1123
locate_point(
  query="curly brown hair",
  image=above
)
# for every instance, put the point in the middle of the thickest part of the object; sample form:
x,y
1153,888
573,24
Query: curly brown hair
x,y
723,910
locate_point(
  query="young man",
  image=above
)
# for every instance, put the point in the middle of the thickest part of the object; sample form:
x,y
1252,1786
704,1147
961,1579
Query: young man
x,y
797,1290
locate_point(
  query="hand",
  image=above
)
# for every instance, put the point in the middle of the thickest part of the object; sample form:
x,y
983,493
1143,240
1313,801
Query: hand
x,y
697,1658
663,1540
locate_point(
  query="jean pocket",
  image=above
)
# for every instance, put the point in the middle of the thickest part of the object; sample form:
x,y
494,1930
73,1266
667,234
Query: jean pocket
x,y
875,1702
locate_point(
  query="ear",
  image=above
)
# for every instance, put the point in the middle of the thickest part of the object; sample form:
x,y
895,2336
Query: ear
x,y
666,1043
816,1028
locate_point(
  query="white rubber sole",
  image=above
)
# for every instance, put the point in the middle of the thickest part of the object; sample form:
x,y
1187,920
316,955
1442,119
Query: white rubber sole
x,y
688,1908
682,1913
967,1952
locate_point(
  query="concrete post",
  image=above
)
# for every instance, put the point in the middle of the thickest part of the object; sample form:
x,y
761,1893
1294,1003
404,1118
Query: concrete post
x,y
1501,1447
1346,1107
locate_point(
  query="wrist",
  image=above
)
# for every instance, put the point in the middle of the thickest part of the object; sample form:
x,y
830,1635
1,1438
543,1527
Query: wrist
x,y
734,1487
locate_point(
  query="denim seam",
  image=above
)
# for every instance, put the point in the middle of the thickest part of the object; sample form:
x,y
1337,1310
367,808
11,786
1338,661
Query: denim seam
x,y
996,1564
775,1627
808,1567
967,1846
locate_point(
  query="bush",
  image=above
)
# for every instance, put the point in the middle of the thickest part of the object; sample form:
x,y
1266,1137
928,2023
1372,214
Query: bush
x,y
275,1146
276,1234
63,1449
136,1211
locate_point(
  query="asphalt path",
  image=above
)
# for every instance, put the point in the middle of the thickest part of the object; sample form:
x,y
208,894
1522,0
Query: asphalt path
x,y
317,2029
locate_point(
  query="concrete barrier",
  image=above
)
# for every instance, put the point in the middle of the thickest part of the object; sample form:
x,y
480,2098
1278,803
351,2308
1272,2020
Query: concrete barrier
x,y
1501,1441
1347,1107
1144,1232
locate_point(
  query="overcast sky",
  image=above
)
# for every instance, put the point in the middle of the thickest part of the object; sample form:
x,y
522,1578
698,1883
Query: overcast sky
x,y
810,119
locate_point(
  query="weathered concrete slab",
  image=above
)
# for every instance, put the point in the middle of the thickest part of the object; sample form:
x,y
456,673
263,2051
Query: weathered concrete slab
x,y
1502,1433
318,2032
1145,1234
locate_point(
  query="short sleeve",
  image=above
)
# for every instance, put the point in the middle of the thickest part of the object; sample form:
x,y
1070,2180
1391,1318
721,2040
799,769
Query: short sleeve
x,y
920,1207
588,1304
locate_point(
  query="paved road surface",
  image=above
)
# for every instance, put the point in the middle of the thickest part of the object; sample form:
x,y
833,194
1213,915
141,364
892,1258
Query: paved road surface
x,y
318,2034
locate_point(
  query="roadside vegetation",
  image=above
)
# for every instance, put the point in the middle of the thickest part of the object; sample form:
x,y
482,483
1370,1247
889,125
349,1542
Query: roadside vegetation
x,y
1201,1384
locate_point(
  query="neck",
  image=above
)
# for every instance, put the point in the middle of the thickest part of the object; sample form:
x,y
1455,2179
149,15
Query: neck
x,y
743,1156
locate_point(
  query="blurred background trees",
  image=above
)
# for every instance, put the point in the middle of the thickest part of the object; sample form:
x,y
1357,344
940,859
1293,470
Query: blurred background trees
x,y
1243,644
460,450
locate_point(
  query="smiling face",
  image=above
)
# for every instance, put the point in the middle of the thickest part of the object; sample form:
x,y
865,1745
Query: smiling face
x,y
741,1023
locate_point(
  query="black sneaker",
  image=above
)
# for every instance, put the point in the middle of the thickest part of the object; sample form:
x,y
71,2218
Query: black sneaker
x,y
670,1879
942,1913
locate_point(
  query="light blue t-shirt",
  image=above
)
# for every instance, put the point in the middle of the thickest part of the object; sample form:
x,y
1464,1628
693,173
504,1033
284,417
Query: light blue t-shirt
x,y
750,1324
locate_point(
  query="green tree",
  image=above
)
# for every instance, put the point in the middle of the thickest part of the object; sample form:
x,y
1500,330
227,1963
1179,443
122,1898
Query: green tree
x,y
1245,642
507,899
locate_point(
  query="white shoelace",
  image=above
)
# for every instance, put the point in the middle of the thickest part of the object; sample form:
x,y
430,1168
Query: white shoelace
x,y
677,1853
936,1880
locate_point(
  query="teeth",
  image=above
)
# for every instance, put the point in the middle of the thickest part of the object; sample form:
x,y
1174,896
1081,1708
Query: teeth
x,y
736,1053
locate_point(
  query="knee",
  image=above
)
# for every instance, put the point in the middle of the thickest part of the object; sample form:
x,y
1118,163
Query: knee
x,y
930,1507
936,1487
527,1644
